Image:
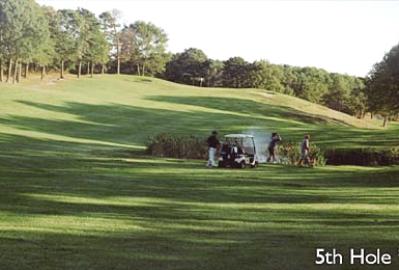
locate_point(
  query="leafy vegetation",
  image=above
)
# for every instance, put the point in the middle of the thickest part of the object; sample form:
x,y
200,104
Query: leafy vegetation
x,y
143,46
340,92
363,156
38,37
290,154
383,86
186,147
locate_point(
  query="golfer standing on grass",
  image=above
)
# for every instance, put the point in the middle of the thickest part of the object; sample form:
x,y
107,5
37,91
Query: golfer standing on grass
x,y
272,147
305,147
213,145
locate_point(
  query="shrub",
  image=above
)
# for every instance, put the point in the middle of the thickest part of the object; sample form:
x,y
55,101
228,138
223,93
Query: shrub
x,y
317,155
363,156
290,154
392,156
191,147
168,145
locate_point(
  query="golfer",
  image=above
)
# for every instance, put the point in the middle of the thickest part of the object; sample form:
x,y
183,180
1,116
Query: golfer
x,y
272,147
213,145
305,147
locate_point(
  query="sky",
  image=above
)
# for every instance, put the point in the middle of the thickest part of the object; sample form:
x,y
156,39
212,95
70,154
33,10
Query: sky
x,y
339,36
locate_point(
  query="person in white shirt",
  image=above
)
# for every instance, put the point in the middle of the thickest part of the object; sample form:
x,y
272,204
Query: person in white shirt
x,y
213,145
305,147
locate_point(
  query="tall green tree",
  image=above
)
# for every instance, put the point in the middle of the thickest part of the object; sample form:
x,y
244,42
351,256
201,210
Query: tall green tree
x,y
311,84
357,103
290,79
23,29
267,76
149,47
236,73
11,30
214,74
127,50
88,29
98,51
111,27
383,85
45,52
64,31
188,67
338,93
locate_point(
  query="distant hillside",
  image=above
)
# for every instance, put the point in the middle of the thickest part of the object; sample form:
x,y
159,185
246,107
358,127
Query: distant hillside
x,y
126,110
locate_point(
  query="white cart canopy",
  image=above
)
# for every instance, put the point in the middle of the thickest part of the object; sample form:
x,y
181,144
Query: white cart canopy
x,y
238,136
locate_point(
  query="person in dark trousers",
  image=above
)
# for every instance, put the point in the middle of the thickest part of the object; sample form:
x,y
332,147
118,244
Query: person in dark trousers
x,y
305,147
272,147
213,145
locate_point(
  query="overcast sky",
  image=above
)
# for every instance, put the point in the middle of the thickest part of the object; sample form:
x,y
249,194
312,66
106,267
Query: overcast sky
x,y
339,36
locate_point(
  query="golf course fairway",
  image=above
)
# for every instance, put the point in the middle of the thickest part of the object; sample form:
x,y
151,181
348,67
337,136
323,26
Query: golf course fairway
x,y
79,192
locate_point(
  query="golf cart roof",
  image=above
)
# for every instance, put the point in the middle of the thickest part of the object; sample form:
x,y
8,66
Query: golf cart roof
x,y
238,136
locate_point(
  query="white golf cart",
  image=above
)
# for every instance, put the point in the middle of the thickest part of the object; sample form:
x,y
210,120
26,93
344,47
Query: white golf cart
x,y
238,151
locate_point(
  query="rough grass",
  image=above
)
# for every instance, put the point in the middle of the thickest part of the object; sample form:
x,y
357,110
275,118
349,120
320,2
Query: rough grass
x,y
78,194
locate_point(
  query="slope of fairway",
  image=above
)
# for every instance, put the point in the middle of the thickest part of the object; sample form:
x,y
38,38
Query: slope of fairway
x,y
126,110
78,193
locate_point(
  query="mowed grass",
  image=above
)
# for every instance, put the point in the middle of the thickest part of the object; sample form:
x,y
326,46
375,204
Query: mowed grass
x,y
79,193
127,110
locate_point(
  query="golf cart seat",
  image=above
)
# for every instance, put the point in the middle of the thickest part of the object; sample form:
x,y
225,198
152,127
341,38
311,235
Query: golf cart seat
x,y
238,151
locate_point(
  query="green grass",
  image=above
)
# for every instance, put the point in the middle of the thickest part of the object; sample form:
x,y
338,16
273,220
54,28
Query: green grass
x,y
77,192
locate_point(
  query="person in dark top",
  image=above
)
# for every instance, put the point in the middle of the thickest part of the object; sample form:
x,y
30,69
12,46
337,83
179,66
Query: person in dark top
x,y
225,151
236,150
213,145
272,147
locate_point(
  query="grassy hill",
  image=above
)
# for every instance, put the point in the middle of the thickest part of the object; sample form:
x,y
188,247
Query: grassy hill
x,y
127,110
77,193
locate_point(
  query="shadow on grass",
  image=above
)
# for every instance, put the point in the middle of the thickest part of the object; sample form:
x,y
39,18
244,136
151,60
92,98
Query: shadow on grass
x,y
32,166
173,250
326,131
243,106
72,205
191,217
130,125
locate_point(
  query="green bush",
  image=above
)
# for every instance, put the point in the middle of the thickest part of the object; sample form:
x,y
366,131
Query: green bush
x,y
392,156
168,145
363,156
290,154
191,147
317,155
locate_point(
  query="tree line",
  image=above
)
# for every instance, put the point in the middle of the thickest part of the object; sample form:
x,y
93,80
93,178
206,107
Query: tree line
x,y
34,37
382,86
341,92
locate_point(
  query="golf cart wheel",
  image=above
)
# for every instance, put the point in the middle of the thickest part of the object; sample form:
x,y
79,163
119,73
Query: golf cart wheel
x,y
241,165
254,165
